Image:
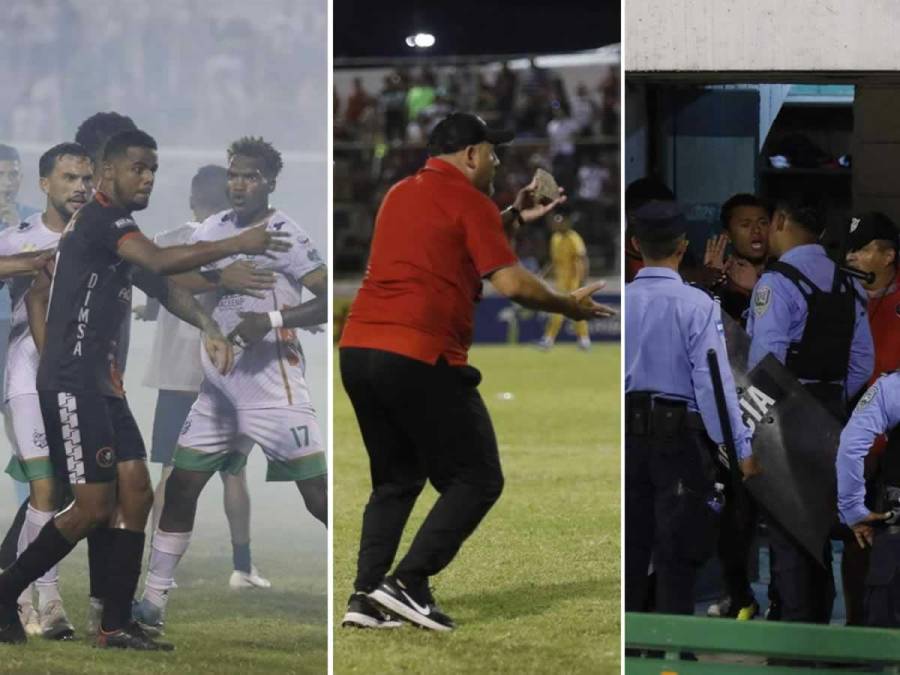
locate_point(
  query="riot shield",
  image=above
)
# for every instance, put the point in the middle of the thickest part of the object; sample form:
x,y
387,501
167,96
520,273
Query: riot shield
x,y
795,440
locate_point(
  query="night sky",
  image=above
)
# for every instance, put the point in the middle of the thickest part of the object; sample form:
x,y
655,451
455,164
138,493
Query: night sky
x,y
377,29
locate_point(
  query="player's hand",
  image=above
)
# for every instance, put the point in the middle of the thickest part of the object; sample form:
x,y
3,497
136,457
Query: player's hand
x,y
219,350
750,467
253,327
584,307
42,261
259,240
863,530
714,256
529,208
741,273
244,277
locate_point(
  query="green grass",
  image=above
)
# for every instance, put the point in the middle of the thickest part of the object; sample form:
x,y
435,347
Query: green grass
x,y
536,588
215,630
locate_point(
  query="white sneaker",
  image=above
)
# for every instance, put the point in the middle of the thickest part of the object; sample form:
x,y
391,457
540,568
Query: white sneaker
x,y
55,625
584,344
94,614
30,619
253,580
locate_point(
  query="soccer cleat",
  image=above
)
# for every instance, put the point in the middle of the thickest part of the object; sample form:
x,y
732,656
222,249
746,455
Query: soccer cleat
x,y
394,597
11,630
584,344
544,344
149,617
131,637
55,625
30,619
241,579
362,612
748,612
94,612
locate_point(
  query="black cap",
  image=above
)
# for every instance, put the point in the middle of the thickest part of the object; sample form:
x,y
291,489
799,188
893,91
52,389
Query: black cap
x,y
460,130
869,227
658,221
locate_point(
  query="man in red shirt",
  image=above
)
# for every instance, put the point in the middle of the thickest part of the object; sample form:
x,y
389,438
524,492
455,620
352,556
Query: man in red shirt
x,y
404,364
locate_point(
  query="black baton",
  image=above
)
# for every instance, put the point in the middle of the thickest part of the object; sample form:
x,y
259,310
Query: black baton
x,y
734,468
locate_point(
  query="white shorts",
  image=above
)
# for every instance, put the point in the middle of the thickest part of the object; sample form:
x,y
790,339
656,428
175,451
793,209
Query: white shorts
x,y
31,455
218,437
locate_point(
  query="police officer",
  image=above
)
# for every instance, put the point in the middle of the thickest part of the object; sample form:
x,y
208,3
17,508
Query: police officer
x,y
811,317
672,424
877,412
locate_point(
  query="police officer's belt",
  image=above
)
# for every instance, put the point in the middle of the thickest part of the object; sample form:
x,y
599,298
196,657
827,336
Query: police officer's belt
x,y
649,414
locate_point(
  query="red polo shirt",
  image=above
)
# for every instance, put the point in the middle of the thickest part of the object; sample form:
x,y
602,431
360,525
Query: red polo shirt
x,y
884,320
436,236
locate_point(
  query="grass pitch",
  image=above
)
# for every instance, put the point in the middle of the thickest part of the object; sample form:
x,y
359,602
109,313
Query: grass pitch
x,y
536,588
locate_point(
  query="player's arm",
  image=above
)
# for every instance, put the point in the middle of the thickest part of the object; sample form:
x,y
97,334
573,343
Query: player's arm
x,y
22,264
241,276
869,420
255,325
524,288
37,300
181,303
141,251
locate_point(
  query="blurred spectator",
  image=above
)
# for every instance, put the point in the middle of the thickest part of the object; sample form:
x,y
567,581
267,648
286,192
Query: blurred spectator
x,y
358,104
393,103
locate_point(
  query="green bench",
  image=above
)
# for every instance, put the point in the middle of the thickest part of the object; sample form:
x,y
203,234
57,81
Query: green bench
x,y
867,647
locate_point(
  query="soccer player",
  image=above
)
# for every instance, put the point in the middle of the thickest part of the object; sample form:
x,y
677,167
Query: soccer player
x,y
65,177
174,368
91,432
568,259
264,399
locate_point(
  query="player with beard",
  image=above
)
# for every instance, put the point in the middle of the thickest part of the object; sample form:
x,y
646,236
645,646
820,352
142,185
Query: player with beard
x,y
265,398
92,435
65,177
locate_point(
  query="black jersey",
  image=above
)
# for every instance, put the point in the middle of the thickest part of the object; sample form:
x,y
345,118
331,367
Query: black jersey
x,y
90,300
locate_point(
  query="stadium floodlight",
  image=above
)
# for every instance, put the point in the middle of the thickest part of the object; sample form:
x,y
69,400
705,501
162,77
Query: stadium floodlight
x,y
420,40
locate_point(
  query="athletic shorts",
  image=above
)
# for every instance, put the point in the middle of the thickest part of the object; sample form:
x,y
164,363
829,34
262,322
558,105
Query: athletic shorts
x,y
172,408
218,437
88,434
31,456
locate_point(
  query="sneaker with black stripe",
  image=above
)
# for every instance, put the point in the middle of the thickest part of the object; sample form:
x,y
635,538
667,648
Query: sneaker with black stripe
x,y
11,631
362,612
419,609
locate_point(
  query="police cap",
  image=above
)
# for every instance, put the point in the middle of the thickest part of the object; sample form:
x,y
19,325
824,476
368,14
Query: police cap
x,y
658,221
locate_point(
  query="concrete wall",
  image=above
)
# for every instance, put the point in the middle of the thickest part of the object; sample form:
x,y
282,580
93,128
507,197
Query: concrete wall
x,y
876,150
763,35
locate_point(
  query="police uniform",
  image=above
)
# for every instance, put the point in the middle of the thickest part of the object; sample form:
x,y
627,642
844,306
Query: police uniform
x,y
672,425
812,318
878,412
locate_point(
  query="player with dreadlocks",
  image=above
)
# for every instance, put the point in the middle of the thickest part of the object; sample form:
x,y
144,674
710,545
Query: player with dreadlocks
x,y
264,399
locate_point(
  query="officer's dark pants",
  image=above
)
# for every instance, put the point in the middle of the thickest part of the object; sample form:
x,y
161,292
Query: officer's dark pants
x,y
736,535
883,581
805,588
419,422
667,484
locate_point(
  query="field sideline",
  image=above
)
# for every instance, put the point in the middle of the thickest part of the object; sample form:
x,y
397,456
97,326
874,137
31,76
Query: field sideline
x,y
536,588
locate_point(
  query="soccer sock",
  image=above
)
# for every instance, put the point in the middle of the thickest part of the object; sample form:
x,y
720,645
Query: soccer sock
x,y
25,597
126,549
43,553
48,584
165,554
99,541
240,554
8,549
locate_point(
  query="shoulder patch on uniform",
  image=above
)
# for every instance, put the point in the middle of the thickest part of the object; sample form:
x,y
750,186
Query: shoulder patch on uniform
x,y
867,397
124,222
761,299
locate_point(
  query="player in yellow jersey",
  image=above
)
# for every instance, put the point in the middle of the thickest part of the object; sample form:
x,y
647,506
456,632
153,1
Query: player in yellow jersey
x,y
569,267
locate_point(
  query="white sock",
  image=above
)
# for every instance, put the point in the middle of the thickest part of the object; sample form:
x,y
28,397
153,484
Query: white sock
x,y
165,554
48,585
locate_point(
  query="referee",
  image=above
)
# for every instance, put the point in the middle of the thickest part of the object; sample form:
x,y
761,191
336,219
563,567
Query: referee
x,y
404,364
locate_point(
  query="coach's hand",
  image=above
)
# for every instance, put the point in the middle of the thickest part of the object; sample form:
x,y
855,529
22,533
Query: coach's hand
x,y
529,208
253,327
259,240
219,350
583,306
244,277
863,531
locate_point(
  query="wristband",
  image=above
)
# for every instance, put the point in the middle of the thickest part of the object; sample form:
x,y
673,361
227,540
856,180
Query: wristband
x,y
276,319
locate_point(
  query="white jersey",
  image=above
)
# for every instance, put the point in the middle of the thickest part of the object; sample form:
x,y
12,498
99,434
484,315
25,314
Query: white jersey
x,y
269,373
22,356
175,356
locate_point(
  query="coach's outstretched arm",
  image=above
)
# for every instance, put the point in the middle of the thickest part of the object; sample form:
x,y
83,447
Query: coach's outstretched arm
x,y
255,325
521,286
141,251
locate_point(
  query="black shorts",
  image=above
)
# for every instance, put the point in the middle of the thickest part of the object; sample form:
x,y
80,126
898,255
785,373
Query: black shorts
x,y
88,434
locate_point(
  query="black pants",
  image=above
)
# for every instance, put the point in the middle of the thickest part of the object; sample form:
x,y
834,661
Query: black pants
x,y
805,588
668,482
419,422
883,581
736,536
